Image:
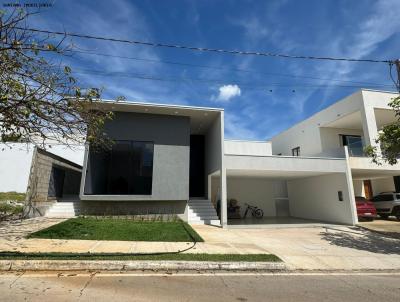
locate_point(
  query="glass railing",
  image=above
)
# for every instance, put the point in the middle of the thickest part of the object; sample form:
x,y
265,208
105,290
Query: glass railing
x,y
356,149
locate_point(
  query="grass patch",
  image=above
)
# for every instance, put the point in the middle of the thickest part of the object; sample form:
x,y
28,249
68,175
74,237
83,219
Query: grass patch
x,y
178,257
14,196
119,229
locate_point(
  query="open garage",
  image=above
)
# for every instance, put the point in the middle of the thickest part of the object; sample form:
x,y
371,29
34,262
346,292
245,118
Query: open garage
x,y
288,190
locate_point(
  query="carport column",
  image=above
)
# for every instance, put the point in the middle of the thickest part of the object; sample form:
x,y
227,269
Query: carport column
x,y
224,203
369,126
350,188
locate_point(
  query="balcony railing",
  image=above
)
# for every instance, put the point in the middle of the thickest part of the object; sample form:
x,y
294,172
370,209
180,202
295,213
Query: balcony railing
x,y
356,149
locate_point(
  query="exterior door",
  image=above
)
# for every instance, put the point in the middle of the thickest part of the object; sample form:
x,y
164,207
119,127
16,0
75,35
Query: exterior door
x,y
56,182
368,189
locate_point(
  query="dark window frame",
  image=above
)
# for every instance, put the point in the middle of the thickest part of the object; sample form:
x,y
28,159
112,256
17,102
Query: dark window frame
x,y
296,151
125,183
343,138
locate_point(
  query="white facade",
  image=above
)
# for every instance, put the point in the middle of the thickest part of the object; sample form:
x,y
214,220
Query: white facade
x,y
361,114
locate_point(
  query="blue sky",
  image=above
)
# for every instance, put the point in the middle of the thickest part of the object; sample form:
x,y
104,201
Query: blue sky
x,y
261,96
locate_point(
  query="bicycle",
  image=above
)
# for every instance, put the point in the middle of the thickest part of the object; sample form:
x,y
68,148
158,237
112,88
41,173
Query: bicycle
x,y
255,211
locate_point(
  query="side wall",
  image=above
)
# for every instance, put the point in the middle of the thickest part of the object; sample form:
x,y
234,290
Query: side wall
x,y
171,137
358,186
317,198
41,170
213,154
257,192
330,140
248,147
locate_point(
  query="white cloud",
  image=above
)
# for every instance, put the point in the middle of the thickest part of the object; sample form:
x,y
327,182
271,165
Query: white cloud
x,y
227,92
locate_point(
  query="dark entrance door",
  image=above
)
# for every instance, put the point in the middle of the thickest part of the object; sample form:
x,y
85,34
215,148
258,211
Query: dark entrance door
x,y
56,183
196,167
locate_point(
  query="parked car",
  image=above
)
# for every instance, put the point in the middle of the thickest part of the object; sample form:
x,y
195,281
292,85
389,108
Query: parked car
x,y
365,208
387,204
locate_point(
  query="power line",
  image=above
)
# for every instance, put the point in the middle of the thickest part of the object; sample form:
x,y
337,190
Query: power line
x,y
222,68
207,81
203,49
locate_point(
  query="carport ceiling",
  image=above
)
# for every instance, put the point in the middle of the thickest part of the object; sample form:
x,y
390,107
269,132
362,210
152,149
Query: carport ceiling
x,y
371,174
273,174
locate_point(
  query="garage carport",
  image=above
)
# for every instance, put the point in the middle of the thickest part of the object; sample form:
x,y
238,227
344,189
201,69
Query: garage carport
x,y
290,190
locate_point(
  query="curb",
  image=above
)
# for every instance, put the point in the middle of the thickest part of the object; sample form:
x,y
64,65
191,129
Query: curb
x,y
116,265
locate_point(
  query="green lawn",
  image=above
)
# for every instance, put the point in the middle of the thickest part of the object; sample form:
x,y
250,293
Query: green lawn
x,y
119,229
14,196
182,257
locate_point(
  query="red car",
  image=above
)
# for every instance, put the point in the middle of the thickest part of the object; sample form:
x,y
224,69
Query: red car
x,y
365,208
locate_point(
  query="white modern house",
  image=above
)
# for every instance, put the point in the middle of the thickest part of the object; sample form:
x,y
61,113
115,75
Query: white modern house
x,y
174,159
353,122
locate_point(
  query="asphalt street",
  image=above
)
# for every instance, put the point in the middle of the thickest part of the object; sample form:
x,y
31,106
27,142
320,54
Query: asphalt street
x,y
199,287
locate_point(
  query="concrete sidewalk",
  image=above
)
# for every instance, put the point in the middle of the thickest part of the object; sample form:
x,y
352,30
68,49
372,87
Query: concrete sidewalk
x,y
336,248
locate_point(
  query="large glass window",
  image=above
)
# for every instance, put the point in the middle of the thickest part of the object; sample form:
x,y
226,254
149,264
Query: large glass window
x,y
127,169
354,144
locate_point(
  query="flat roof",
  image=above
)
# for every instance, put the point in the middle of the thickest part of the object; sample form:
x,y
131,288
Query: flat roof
x,y
329,108
201,118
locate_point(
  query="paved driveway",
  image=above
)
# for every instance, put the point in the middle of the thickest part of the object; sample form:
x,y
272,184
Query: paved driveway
x,y
336,248
391,226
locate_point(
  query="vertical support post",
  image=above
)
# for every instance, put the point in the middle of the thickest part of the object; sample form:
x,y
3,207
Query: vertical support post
x,y
209,189
224,203
350,188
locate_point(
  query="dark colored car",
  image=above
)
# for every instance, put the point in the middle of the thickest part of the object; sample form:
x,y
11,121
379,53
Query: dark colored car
x,y
365,208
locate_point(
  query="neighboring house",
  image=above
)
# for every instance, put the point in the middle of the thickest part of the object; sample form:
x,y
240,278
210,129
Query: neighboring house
x,y
170,159
45,176
353,122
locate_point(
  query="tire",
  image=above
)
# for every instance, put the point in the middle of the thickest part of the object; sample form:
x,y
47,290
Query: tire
x,y
398,217
384,216
258,213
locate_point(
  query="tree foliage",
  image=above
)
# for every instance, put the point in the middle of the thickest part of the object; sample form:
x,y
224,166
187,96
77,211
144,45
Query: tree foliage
x,y
40,99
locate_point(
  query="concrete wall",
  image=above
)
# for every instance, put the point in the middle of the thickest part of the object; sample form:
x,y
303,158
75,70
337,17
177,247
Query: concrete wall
x,y
358,186
213,146
247,147
41,169
15,164
317,198
382,185
260,192
331,141
171,137
177,207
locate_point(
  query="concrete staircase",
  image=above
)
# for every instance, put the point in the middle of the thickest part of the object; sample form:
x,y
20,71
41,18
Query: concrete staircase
x,y
64,209
202,211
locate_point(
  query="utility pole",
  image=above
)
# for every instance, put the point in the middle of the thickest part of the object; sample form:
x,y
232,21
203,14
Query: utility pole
x,y
397,63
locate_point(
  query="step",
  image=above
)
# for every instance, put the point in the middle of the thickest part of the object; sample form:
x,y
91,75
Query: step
x,y
202,214
201,207
211,222
208,211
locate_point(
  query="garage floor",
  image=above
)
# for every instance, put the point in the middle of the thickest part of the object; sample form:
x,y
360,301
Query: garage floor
x,y
273,222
